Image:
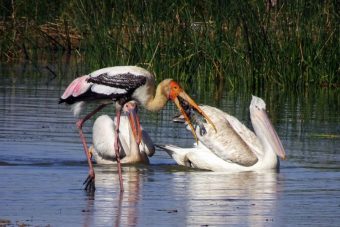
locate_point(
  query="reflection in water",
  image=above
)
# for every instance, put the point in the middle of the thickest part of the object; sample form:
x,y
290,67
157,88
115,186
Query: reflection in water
x,y
194,198
110,206
39,144
88,210
247,198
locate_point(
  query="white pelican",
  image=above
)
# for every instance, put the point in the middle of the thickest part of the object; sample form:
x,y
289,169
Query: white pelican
x,y
120,84
233,147
133,150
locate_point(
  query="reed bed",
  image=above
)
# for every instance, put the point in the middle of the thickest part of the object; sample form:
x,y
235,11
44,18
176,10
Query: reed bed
x,y
244,44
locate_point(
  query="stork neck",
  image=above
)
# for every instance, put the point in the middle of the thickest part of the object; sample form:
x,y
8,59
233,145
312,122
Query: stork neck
x,y
157,102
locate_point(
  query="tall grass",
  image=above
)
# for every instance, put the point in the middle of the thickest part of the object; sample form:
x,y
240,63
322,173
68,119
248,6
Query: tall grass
x,y
245,44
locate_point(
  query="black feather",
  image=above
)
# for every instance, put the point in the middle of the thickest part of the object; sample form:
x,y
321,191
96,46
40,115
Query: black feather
x,y
127,81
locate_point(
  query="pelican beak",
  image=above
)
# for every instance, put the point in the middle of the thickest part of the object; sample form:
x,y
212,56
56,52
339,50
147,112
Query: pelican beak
x,y
134,122
179,92
270,133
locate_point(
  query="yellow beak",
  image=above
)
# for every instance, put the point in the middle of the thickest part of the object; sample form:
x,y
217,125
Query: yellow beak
x,y
192,103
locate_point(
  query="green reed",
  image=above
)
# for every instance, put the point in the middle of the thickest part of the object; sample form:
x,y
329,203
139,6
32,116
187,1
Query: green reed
x,y
246,44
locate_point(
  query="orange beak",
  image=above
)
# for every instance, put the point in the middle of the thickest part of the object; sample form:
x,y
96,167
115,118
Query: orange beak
x,y
134,122
181,93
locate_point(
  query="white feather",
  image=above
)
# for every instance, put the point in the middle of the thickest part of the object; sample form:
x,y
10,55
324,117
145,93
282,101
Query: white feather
x,y
106,90
77,108
103,142
233,147
122,70
142,95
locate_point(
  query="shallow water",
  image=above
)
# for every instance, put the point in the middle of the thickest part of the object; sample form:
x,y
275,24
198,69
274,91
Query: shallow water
x,y
43,166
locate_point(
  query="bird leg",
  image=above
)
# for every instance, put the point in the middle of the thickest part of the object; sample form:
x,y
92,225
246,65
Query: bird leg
x,y
116,147
89,182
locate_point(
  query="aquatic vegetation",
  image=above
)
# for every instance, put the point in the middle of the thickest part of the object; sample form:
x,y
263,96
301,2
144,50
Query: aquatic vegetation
x,y
247,44
326,136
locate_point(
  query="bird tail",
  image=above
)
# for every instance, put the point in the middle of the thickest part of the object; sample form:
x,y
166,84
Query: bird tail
x,y
61,100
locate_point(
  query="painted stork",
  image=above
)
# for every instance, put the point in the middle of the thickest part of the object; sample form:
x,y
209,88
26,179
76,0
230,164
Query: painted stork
x,y
234,147
118,85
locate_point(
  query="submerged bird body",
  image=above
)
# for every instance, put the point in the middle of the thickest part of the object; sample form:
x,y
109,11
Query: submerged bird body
x,y
103,142
233,147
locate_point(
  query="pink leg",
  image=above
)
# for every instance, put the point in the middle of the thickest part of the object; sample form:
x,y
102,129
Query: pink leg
x,y
89,182
116,147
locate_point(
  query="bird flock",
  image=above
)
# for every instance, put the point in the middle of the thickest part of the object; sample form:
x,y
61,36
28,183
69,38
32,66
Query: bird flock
x,y
221,142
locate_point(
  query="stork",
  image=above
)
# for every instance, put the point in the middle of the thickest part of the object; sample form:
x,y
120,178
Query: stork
x,y
118,85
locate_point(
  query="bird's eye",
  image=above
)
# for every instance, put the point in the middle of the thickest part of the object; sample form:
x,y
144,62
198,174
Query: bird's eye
x,y
175,87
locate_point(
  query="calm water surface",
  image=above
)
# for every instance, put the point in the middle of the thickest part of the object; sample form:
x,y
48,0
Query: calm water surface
x,y
43,166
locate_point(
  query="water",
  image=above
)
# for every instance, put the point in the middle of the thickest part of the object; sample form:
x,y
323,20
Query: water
x,y
43,166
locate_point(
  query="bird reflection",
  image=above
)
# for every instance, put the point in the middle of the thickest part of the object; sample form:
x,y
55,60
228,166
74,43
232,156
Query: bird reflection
x,y
105,209
200,198
244,198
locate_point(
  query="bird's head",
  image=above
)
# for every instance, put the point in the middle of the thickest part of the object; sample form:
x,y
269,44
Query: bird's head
x,y
263,126
175,92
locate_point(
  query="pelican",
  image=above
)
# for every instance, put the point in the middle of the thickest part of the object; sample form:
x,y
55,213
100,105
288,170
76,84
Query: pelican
x,y
132,150
118,85
233,147
135,143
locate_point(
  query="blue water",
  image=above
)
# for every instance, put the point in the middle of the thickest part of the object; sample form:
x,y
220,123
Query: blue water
x,y
43,166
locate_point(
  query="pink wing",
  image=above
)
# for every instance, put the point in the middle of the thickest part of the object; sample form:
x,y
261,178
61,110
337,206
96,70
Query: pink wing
x,y
77,87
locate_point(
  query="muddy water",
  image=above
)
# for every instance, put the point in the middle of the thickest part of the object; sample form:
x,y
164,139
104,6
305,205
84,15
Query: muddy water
x,y
42,168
